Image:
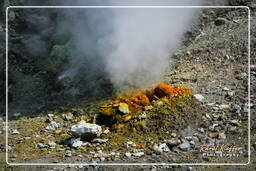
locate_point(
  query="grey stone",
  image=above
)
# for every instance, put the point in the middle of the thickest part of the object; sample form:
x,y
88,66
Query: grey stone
x,y
234,122
161,148
15,131
138,154
199,97
222,136
236,109
184,146
40,145
173,135
67,116
77,143
51,143
129,144
221,21
128,155
188,138
68,154
52,126
99,140
173,142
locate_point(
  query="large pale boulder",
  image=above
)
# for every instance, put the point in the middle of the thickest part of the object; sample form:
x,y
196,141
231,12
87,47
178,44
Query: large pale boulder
x,y
86,130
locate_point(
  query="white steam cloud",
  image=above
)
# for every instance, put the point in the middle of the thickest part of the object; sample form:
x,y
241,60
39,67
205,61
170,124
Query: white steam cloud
x,y
133,45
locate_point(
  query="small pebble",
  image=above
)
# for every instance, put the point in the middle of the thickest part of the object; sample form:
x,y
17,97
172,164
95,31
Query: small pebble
x,y
15,131
128,155
106,131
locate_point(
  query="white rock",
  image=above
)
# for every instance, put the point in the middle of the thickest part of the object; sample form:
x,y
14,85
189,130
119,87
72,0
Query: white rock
x,y
161,148
86,130
50,115
224,106
173,135
128,155
106,131
99,140
51,143
52,126
40,145
15,131
226,89
129,143
138,154
77,143
199,97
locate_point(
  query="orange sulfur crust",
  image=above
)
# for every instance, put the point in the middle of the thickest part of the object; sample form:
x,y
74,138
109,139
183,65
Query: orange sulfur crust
x,y
138,101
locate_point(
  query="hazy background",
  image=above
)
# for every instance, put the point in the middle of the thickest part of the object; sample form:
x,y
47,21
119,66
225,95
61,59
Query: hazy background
x,y
64,56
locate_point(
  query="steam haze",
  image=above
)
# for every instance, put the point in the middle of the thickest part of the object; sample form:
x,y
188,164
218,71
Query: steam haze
x,y
131,45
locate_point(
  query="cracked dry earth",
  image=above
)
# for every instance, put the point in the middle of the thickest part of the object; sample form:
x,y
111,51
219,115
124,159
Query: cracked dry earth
x,y
214,66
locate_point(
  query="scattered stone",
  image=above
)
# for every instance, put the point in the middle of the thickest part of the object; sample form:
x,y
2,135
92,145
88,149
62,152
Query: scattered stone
x,y
68,153
230,94
241,76
40,145
15,132
128,155
86,130
192,143
173,135
200,130
224,106
77,143
220,21
143,116
98,140
172,143
52,126
236,109
27,138
38,136
161,148
58,131
138,154
129,144
106,131
188,138
222,136
184,146
232,128
190,169
234,122
199,97
67,116
50,115
124,108
226,89
213,135
51,143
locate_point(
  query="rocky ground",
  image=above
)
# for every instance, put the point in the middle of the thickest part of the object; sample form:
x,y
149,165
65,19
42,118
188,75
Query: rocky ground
x,y
213,64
